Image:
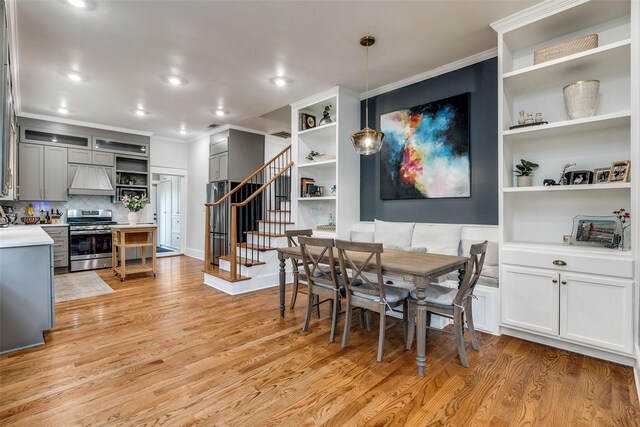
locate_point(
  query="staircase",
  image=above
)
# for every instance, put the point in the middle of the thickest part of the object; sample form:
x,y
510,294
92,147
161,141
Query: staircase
x,y
240,252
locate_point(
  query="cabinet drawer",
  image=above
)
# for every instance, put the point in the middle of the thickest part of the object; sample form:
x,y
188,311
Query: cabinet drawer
x,y
102,159
616,264
60,259
79,156
219,147
56,231
60,245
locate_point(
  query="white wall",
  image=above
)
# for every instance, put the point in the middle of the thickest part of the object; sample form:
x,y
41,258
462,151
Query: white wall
x,y
168,153
273,145
197,178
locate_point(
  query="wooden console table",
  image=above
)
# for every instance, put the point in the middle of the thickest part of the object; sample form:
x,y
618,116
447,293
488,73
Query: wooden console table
x,y
133,236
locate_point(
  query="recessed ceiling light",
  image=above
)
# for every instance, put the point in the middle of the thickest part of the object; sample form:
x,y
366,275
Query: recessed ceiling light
x,y
140,112
281,81
77,3
62,110
220,112
175,80
74,77
183,131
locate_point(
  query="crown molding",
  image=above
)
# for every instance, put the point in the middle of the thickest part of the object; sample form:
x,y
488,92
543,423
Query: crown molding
x,y
12,23
456,65
85,124
533,13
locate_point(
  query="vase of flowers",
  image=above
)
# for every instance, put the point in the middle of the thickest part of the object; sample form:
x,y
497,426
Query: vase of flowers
x,y
135,204
623,216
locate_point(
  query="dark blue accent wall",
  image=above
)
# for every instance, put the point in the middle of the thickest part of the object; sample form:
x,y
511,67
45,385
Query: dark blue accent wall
x,y
481,81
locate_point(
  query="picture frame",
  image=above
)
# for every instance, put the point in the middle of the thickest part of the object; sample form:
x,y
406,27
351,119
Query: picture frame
x,y
598,231
580,177
619,171
601,175
307,121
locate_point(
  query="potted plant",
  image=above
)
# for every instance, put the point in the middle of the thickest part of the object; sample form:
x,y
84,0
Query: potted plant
x,y
524,173
326,117
135,204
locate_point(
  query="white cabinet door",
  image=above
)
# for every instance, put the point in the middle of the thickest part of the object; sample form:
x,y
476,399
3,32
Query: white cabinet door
x,y
55,174
530,299
30,172
214,168
224,166
597,311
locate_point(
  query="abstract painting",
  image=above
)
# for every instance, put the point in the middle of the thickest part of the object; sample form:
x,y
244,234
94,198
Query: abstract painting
x,y
425,154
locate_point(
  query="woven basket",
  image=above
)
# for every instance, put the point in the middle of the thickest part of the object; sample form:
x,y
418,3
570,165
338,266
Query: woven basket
x,y
563,49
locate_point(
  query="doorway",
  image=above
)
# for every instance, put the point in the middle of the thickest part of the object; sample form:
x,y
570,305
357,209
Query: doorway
x,y
166,192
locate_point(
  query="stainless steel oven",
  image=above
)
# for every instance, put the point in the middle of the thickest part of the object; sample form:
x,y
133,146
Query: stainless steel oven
x,y
89,239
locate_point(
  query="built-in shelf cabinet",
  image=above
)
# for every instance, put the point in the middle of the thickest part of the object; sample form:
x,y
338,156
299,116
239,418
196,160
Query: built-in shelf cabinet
x,y
566,294
337,166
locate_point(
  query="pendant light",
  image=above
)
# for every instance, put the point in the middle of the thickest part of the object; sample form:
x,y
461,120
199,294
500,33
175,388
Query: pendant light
x,y
367,141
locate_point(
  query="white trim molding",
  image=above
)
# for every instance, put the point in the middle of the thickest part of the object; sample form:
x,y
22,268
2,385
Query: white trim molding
x,y
81,123
12,22
534,13
456,65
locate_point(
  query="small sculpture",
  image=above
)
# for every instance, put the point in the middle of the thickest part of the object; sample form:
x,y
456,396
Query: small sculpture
x,y
521,119
538,118
548,182
529,118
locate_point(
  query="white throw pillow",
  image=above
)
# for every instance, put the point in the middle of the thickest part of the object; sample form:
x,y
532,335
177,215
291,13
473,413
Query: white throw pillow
x,y
491,258
393,233
440,239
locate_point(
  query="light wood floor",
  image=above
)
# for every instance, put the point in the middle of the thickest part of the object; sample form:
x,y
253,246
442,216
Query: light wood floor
x,y
172,351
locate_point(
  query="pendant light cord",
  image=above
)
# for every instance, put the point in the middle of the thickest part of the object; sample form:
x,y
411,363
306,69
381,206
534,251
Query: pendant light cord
x,y
366,89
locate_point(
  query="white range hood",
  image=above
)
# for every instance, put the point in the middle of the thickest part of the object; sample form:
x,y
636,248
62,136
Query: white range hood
x,y
90,180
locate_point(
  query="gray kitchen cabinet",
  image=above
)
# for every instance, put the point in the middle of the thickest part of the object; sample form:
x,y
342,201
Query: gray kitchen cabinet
x,y
103,159
60,236
234,155
79,156
218,167
42,172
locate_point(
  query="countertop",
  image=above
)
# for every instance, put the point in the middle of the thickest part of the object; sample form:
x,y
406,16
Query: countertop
x,y
24,235
138,225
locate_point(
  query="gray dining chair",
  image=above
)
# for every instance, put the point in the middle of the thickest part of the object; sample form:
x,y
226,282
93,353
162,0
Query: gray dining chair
x,y
296,264
365,293
452,303
322,278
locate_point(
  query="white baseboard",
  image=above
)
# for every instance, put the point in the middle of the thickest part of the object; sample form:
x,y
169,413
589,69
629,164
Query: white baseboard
x,y
576,348
636,372
244,286
194,253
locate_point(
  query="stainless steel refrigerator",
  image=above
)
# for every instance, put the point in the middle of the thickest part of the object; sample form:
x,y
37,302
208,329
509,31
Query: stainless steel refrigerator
x,y
218,226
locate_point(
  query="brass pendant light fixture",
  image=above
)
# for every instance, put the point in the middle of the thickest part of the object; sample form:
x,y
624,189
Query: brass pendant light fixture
x,y
367,141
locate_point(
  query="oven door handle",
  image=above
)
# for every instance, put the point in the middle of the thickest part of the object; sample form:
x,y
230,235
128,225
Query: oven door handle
x,y
90,233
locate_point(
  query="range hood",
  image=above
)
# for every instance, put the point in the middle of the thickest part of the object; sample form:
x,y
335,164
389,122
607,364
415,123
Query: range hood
x,y
90,180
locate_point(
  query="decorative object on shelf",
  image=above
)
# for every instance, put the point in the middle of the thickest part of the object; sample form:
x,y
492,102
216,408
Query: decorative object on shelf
x,y
581,98
326,116
521,118
367,141
526,125
566,238
619,171
333,189
579,177
563,178
307,121
566,48
529,120
601,175
426,151
29,211
538,118
312,155
129,180
623,215
326,227
332,220
602,231
135,204
548,182
524,173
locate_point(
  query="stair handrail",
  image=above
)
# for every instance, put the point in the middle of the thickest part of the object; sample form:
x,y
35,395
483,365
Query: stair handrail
x,y
247,179
234,266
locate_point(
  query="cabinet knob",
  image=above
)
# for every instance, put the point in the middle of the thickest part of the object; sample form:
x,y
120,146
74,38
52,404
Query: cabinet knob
x,y
564,282
559,262
554,280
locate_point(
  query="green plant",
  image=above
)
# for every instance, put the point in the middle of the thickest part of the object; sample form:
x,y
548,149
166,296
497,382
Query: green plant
x,y
311,155
130,180
326,111
525,168
135,203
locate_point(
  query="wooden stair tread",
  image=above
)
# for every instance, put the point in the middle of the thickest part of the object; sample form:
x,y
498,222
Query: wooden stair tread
x,y
256,247
264,221
223,274
262,233
243,261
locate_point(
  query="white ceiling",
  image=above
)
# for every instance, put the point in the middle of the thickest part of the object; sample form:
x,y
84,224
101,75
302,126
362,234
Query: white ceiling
x,y
228,51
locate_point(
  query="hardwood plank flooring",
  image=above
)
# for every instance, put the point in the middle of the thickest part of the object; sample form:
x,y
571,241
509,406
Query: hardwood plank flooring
x,y
172,351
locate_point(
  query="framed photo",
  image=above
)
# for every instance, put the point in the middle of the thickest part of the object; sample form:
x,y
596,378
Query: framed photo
x,y
601,175
619,171
580,177
602,231
307,121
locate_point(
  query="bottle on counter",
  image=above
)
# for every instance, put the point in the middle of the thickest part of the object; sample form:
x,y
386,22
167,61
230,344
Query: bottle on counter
x,y
47,218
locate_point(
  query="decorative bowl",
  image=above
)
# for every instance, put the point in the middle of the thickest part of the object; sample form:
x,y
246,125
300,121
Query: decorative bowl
x,y
30,219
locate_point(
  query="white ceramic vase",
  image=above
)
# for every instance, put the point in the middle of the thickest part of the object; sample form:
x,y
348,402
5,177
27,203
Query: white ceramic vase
x,y
581,98
524,181
132,217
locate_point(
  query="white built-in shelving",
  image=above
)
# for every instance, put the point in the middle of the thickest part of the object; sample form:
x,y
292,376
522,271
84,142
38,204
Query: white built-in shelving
x,y
338,164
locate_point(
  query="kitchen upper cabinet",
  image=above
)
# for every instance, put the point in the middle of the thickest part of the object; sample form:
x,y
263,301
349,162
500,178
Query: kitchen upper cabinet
x,y
119,146
54,137
42,172
218,167
103,159
79,156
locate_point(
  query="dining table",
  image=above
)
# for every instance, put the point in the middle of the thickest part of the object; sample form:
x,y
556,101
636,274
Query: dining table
x,y
416,267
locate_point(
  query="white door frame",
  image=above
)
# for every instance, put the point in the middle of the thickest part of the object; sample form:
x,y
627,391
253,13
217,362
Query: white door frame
x,y
183,199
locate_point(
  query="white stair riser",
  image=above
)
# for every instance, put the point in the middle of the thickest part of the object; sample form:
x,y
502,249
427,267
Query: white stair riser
x,y
274,242
255,254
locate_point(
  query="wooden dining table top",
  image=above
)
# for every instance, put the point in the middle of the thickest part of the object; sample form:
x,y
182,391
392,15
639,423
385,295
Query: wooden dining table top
x,y
394,261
